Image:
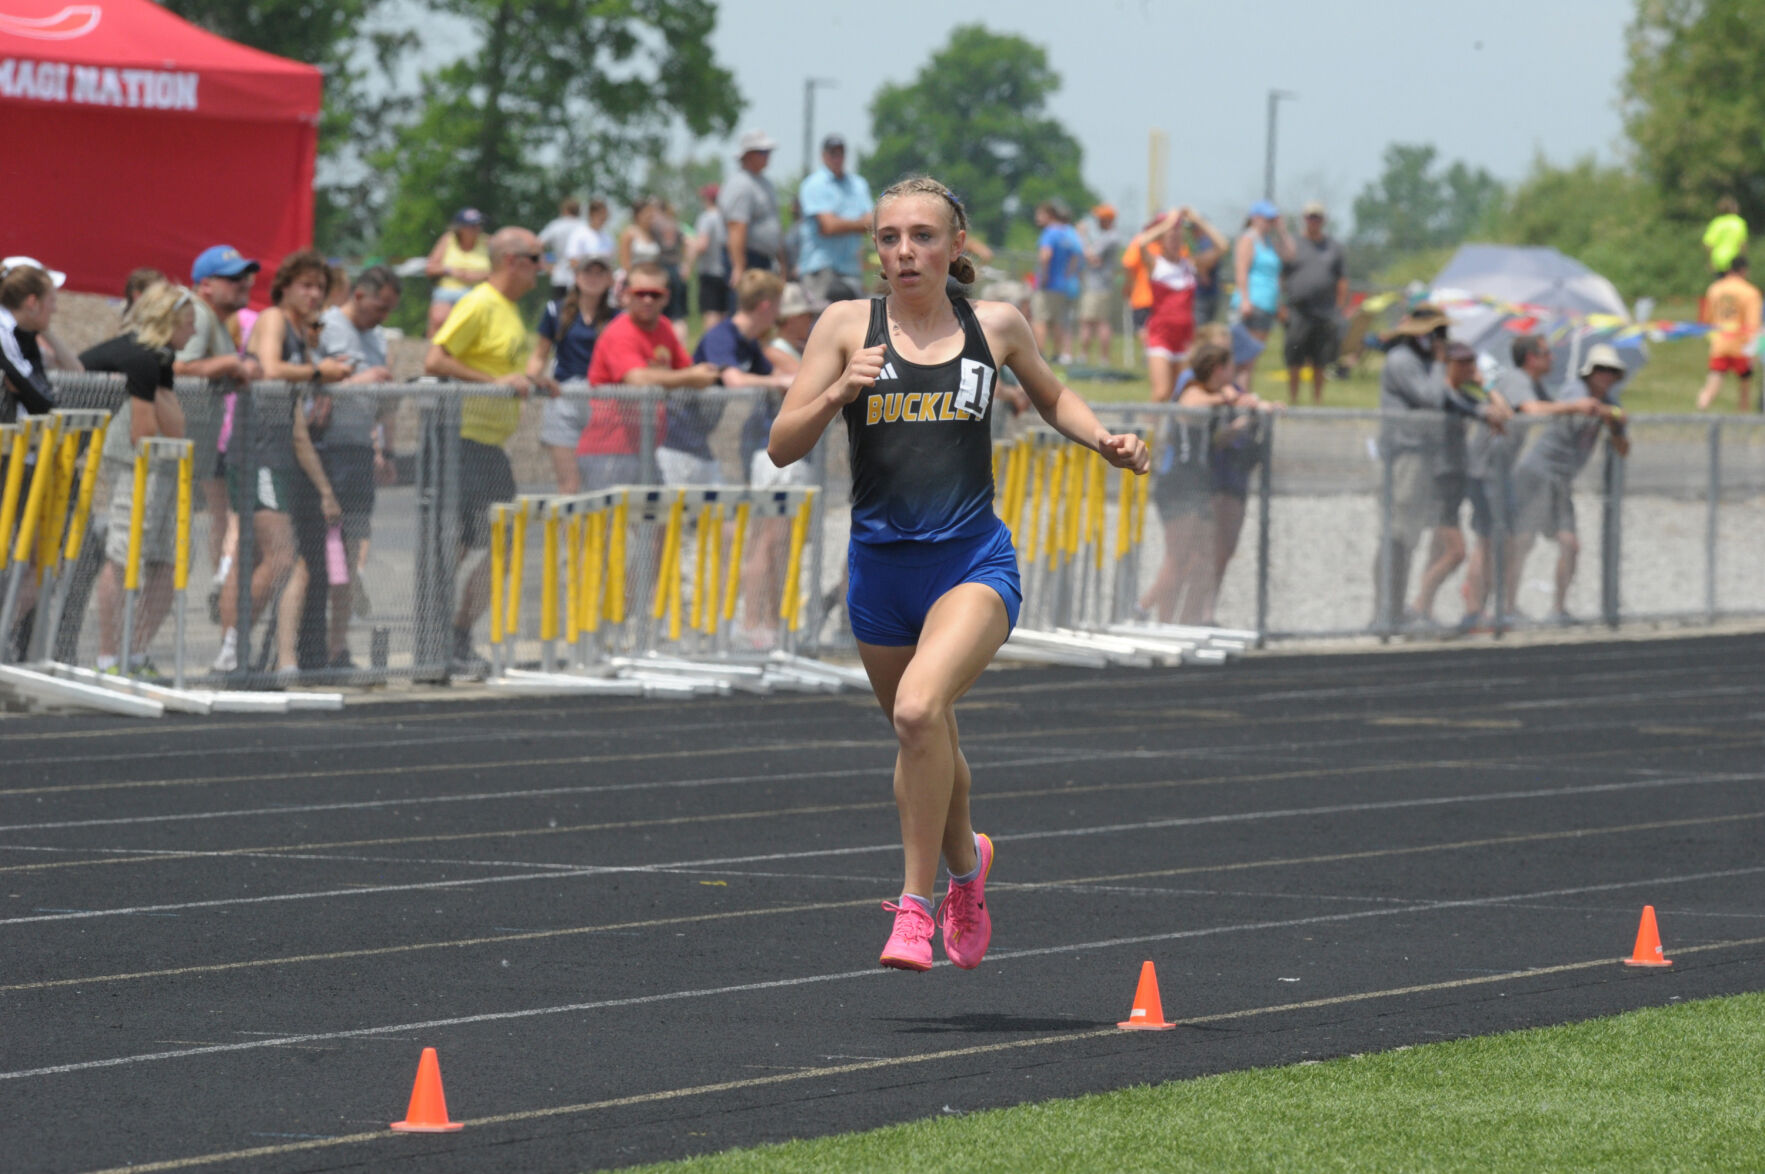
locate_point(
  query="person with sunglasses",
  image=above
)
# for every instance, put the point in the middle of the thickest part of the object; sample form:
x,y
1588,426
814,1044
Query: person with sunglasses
x,y
221,279
485,341
638,348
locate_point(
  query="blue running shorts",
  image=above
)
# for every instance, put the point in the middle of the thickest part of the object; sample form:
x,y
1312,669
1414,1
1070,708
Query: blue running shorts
x,y
893,585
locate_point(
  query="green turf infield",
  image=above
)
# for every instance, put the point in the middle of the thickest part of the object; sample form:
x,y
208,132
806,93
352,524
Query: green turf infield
x,y
1669,1088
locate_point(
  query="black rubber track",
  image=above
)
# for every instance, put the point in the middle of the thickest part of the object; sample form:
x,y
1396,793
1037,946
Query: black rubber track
x,y
640,930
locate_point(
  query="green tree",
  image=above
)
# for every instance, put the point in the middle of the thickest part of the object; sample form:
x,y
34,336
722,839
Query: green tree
x,y
975,116
1694,105
558,96
1416,205
360,104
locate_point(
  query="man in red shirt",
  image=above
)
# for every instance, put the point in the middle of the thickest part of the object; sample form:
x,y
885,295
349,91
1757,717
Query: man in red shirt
x,y
638,348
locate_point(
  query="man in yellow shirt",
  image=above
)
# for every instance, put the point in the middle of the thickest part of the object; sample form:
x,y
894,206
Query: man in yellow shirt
x,y
485,341
1725,238
1732,306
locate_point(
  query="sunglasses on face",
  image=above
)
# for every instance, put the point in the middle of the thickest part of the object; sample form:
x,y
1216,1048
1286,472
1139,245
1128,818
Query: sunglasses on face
x,y
536,258
654,295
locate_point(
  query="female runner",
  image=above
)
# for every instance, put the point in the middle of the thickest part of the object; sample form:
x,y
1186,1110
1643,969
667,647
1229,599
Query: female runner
x,y
933,584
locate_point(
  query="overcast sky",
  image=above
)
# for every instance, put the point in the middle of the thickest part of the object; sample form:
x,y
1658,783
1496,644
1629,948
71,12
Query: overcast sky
x,y
1492,83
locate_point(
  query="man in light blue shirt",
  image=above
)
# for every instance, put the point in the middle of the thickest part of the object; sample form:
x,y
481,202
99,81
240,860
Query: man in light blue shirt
x,y
836,215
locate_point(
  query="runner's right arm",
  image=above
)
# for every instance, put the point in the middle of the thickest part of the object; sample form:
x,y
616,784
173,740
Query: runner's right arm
x,y
835,370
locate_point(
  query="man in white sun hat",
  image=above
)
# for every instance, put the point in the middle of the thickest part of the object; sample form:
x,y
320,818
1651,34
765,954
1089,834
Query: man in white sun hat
x,y
1545,478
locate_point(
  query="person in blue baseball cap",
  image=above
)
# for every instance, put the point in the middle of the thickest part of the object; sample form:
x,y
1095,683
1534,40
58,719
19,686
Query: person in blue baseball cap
x,y
221,279
221,261
1257,259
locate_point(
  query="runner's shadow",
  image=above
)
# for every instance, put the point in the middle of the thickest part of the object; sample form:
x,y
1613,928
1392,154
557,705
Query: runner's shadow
x,y
984,1023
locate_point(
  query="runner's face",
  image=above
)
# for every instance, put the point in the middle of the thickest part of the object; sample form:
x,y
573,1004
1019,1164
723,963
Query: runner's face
x,y
914,242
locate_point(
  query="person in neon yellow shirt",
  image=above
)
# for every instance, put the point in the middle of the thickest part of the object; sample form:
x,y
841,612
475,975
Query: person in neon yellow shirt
x,y
485,341
1725,237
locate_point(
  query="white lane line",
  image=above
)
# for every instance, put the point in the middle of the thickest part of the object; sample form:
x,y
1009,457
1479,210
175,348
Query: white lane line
x,y
1384,805
676,865
1234,754
841,976
476,735
553,792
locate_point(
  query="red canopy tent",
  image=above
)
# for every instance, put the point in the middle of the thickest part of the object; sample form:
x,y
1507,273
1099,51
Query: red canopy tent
x,y
135,138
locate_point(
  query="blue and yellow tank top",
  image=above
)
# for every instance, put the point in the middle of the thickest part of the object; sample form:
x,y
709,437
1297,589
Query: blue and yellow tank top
x,y
921,441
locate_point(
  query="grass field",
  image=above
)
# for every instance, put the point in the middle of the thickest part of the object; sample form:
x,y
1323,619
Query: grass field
x,y
1669,383
1665,1088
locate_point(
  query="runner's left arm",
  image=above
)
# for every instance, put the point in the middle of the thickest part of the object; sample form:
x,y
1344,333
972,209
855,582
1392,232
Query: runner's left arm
x,y
1064,410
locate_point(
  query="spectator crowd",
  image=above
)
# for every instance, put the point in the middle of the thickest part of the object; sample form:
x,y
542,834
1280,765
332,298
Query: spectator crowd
x,y
1202,305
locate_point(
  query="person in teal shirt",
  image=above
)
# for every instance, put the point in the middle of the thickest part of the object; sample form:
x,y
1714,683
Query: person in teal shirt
x,y
1256,260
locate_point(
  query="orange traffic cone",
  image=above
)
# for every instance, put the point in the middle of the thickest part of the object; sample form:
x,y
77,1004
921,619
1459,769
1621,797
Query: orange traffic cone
x,y
428,1110
1148,1012
1648,942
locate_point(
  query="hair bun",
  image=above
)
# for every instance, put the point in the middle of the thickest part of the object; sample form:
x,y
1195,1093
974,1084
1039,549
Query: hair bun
x,y
963,270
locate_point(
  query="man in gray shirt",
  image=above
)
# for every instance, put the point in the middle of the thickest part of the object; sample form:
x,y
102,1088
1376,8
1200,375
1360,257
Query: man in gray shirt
x,y
354,443
1464,402
1316,281
751,226
1413,400
1544,480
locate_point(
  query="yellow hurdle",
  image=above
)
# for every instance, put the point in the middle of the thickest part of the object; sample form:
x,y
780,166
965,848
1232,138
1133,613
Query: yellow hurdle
x,y
499,536
517,570
1099,491
76,535
137,515
572,579
15,442
548,583
1124,513
616,560
593,559
701,559
1036,461
27,526
1075,501
732,584
671,556
186,478
712,579
61,482
1056,492
790,608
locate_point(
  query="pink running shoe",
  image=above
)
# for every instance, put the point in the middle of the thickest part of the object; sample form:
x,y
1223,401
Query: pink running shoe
x,y
967,926
910,946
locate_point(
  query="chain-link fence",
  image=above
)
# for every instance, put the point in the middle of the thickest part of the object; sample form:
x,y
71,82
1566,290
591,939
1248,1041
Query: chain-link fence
x,y
1286,524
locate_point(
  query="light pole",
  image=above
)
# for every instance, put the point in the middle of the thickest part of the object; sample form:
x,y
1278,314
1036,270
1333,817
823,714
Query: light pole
x,y
1268,175
810,85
